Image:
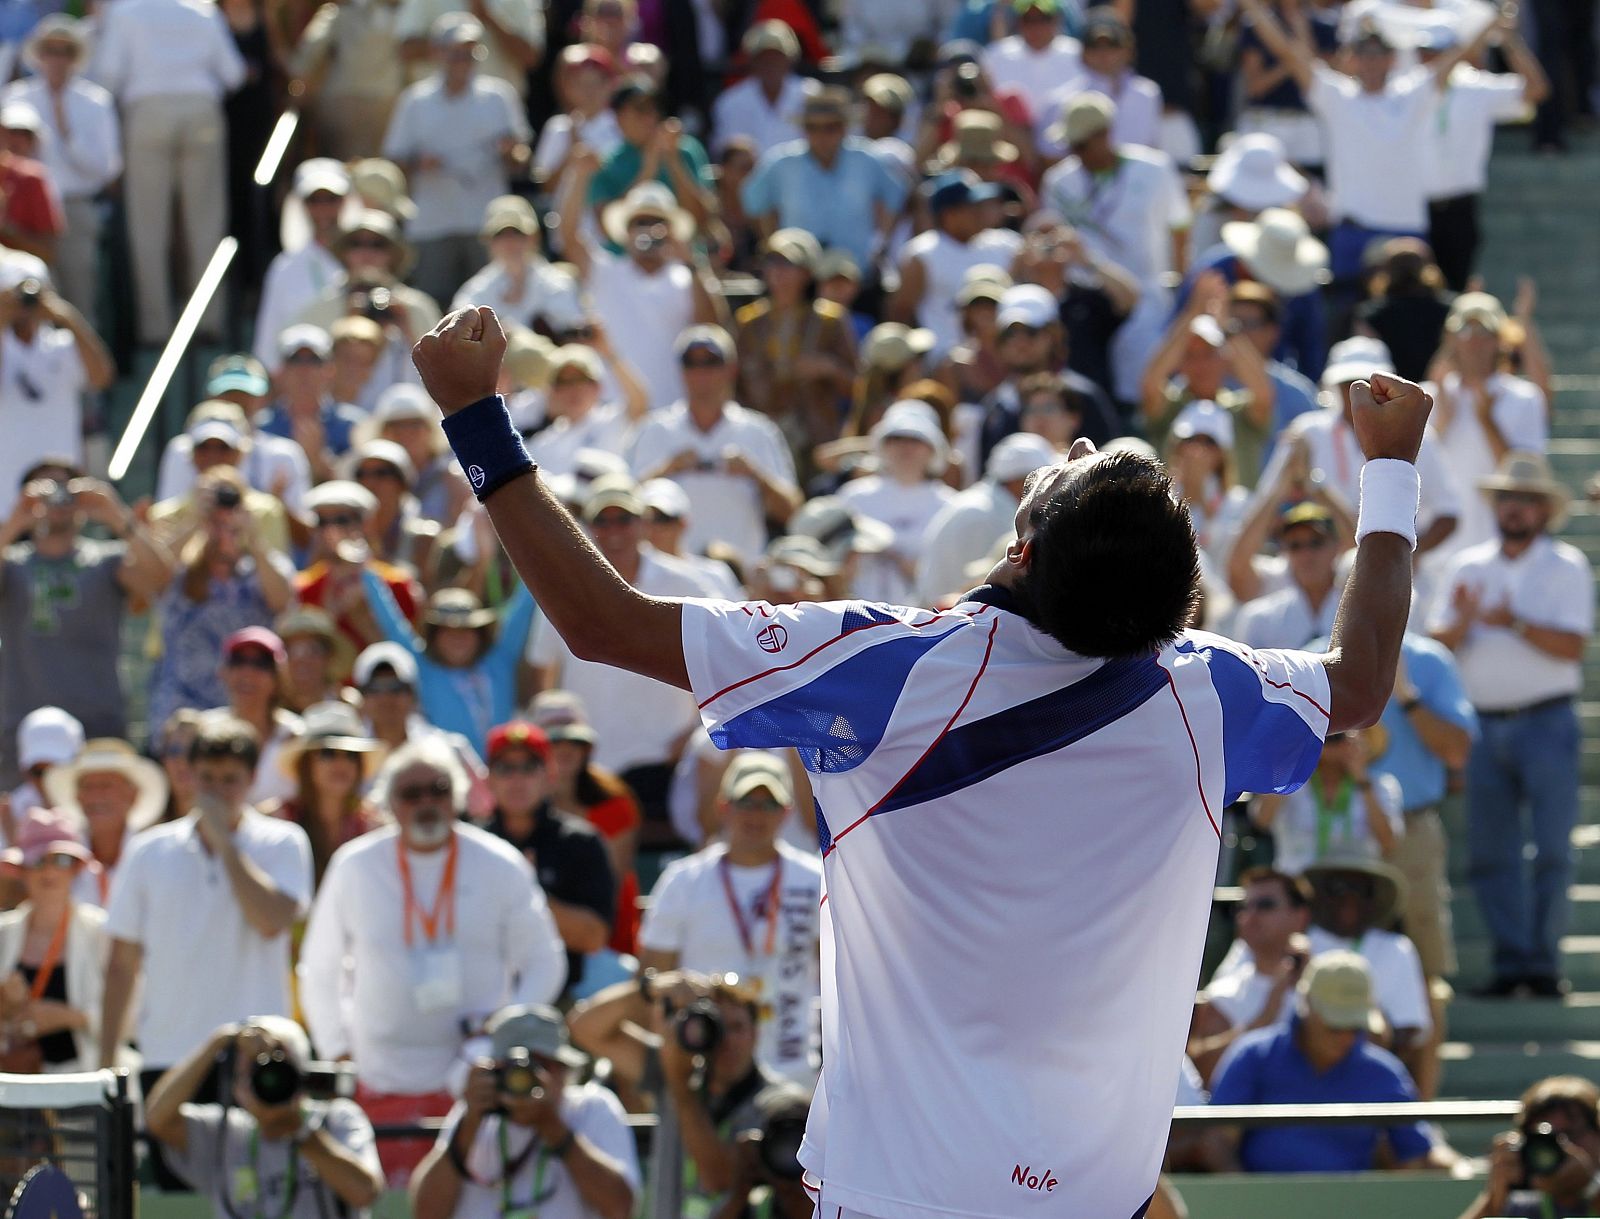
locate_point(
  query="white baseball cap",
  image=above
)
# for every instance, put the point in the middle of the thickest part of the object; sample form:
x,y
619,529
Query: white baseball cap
x,y
1018,456
48,736
1028,304
666,497
385,653
1354,359
1204,418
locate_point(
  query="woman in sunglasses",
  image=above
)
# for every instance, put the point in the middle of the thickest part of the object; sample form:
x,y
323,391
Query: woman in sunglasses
x,y
331,765
52,952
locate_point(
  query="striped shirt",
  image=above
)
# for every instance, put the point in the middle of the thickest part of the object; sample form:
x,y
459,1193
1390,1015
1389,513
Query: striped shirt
x,y
1019,847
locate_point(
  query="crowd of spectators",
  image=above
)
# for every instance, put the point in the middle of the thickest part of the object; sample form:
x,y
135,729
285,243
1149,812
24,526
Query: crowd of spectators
x,y
797,301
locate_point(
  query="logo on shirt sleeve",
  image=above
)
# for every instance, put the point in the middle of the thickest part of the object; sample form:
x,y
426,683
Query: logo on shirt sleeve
x,y
772,639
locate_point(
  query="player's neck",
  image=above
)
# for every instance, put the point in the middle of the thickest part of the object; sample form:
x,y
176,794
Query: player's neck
x,y
751,855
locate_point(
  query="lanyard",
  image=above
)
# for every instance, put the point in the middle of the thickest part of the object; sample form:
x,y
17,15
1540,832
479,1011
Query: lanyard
x,y
744,928
510,1167
52,955
102,880
290,1192
444,902
1339,810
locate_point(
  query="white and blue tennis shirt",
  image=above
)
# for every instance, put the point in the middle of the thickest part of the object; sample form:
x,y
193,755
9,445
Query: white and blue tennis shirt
x,y
1020,845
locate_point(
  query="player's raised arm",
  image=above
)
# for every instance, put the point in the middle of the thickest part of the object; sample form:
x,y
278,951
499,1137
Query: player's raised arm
x,y
595,611
1390,415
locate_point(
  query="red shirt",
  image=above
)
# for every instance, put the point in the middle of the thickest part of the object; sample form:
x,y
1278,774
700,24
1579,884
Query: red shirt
x,y
31,203
311,586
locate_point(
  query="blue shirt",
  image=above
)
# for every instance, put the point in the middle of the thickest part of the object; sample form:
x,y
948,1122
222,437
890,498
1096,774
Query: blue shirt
x,y
1432,670
1266,1067
1304,339
837,206
338,421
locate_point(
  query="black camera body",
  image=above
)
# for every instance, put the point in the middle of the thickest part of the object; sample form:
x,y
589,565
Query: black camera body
x,y
698,1027
28,293
517,1074
275,1079
1541,1151
778,1146
227,496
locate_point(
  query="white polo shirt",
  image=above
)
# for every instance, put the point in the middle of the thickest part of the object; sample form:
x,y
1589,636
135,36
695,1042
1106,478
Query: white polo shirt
x,y
1285,618
762,923
606,427
1375,144
540,1184
362,977
1550,584
1012,63
723,507
1240,994
1470,105
743,110
1006,828
1127,216
204,964
644,312
1398,987
908,511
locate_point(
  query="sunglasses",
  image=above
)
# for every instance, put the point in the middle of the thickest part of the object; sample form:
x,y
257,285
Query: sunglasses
x,y
758,804
386,687
830,125
327,754
263,661
367,243
1316,543
1528,498
509,768
338,520
414,793
370,473
613,520
213,446
567,382
305,358
1341,886
703,362
58,862
661,518
1260,905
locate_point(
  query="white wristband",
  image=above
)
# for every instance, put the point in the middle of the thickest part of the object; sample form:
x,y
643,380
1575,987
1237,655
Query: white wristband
x,y
1390,494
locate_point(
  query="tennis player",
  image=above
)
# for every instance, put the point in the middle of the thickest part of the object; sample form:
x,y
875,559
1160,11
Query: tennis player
x,y
1017,799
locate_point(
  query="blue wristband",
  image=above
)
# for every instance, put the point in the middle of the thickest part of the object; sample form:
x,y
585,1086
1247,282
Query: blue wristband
x,y
488,445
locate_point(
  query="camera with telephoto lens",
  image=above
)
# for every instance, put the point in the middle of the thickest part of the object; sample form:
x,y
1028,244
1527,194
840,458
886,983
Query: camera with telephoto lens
x,y
967,81
1541,1151
698,1027
778,1146
227,496
275,1079
517,1074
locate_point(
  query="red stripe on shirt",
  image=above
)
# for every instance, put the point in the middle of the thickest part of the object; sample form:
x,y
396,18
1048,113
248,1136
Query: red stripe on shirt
x,y
1198,780
943,732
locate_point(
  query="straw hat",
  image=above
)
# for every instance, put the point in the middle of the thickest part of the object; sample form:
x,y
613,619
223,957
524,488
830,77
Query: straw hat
x,y
382,184
108,755
332,725
457,607
890,346
646,199
1530,473
1389,884
976,139
1280,249
381,224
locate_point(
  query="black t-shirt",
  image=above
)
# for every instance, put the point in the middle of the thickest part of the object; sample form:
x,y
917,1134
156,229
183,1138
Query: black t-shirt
x,y
57,1047
569,858
1411,327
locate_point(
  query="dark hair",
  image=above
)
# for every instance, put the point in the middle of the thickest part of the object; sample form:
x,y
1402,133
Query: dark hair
x,y
1571,1092
635,87
1297,889
225,736
1115,568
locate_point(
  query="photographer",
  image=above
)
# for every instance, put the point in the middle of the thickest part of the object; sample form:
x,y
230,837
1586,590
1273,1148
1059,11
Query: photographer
x,y
689,1041
769,1158
523,1140
1549,1167
270,1148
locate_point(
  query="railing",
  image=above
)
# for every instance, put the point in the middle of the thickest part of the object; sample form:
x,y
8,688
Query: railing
x,y
205,291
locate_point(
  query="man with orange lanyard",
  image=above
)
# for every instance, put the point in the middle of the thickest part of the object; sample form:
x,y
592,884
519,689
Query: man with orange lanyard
x,y
419,933
749,904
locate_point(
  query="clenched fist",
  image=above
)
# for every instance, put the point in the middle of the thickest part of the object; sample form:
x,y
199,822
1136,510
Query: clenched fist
x,y
459,359
1390,415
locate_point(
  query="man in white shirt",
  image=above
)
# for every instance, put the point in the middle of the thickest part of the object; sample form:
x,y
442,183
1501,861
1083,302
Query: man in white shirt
x,y
169,63
1303,608
295,278
937,743
1481,413
640,725
935,264
1129,206
749,905
513,47
1353,899
666,522
967,528
651,291
507,1148
733,462
1518,611
765,106
1471,104
1038,57
517,283
579,420
80,144
201,912
1253,987
1108,57
420,932
1377,126
458,135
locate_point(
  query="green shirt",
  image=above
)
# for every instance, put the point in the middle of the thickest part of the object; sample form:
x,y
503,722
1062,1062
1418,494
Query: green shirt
x,y
613,179
1249,438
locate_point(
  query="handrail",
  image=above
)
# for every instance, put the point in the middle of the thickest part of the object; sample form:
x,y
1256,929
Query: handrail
x,y
276,147
171,355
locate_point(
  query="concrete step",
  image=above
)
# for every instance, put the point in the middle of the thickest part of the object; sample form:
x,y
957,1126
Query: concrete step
x,y
1580,961
1512,1021
1498,1071
1585,916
